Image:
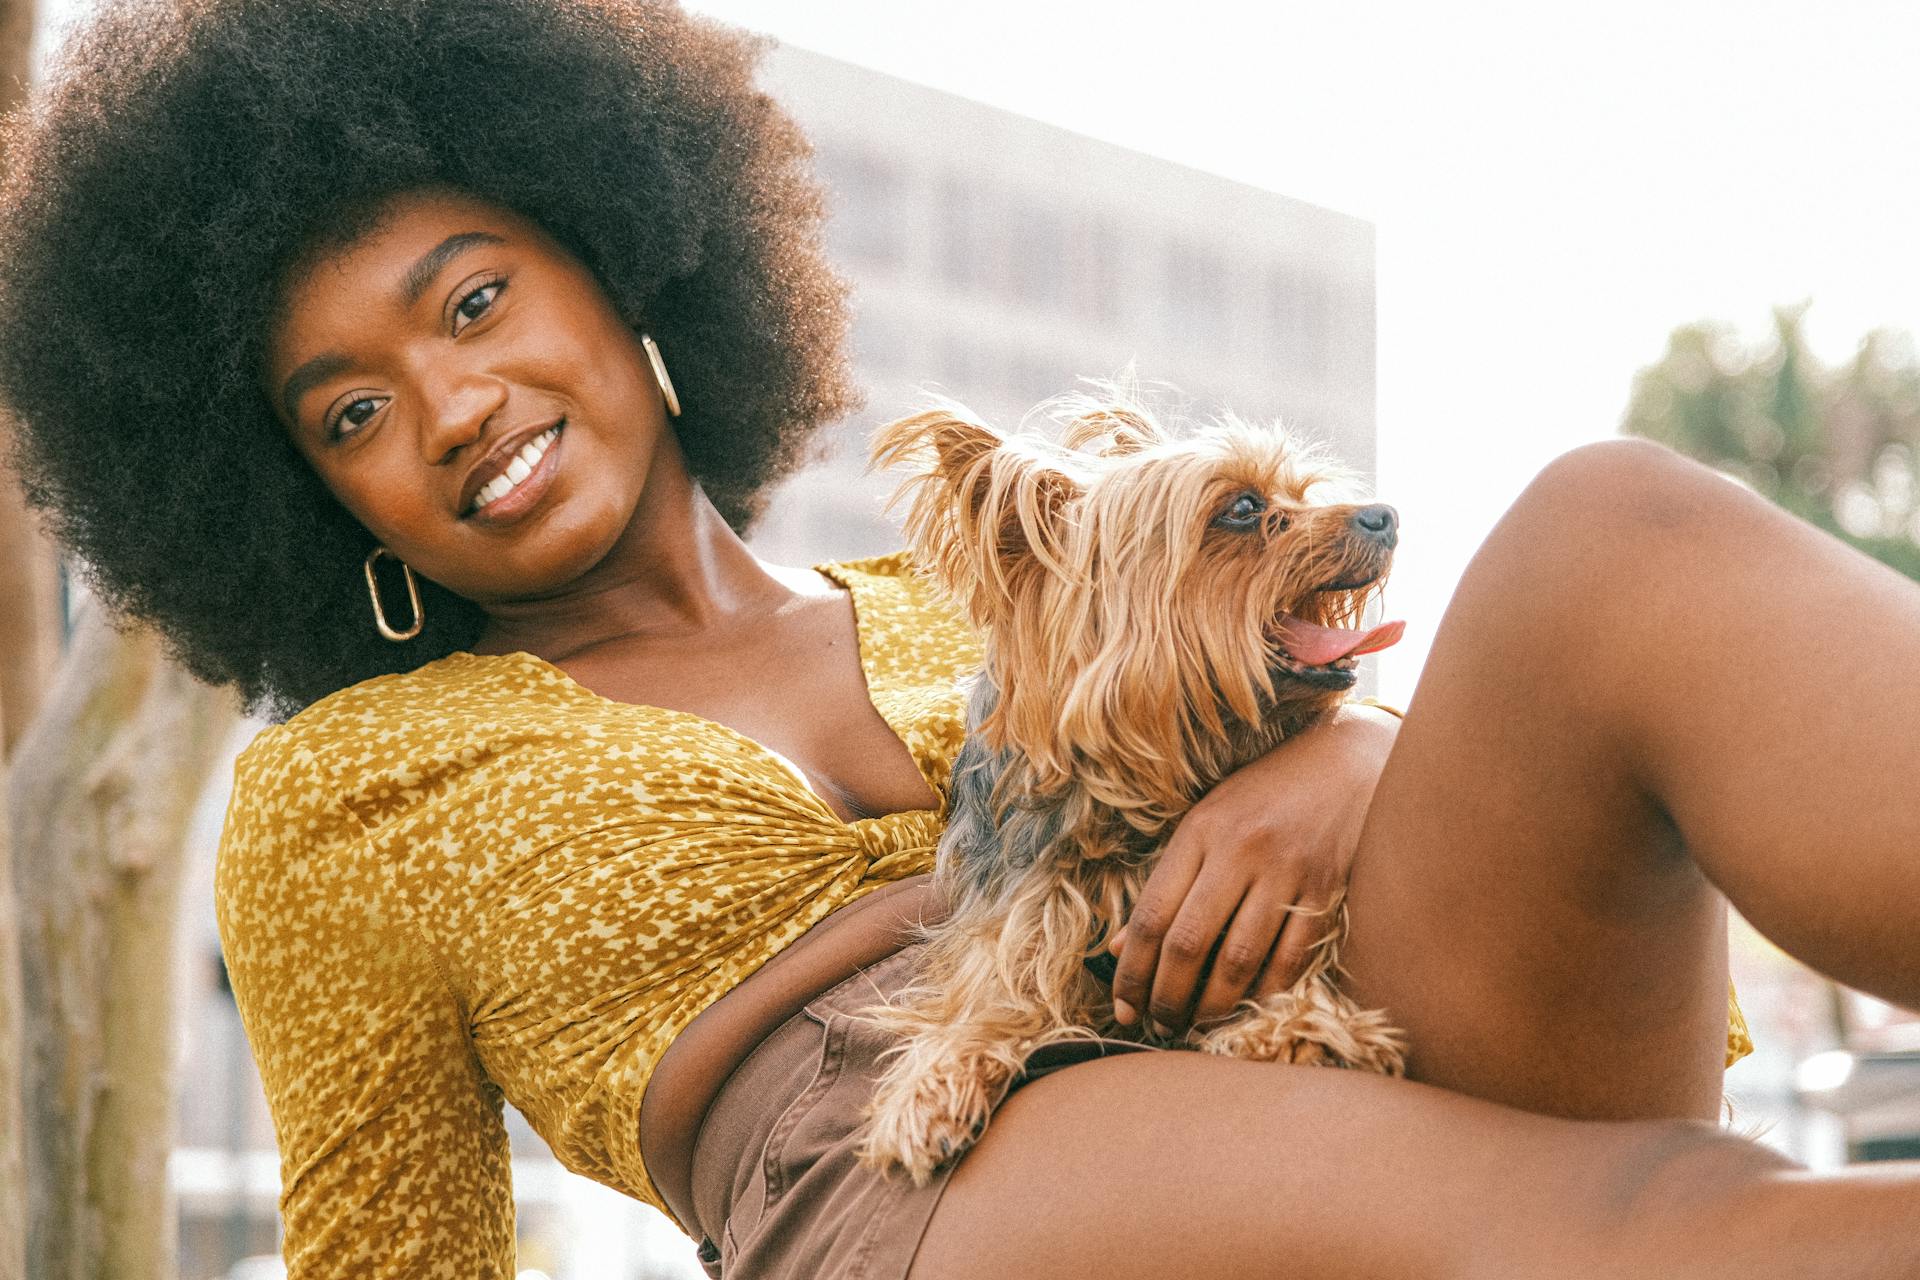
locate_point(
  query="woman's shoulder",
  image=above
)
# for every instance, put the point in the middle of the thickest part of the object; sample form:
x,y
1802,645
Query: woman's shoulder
x,y
363,749
328,807
451,697
895,568
908,624
450,690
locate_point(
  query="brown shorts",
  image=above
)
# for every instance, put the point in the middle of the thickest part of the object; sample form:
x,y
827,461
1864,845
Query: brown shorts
x,y
776,1186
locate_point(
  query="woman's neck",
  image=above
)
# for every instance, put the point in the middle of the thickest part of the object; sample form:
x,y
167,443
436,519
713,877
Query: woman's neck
x,y
678,570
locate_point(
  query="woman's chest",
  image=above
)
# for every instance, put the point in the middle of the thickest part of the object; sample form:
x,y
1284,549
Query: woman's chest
x,y
798,692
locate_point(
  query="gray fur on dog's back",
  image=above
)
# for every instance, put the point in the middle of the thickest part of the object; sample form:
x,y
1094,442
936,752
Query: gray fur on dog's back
x,y
982,853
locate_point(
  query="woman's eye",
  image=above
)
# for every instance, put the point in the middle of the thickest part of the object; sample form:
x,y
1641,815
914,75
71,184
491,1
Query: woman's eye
x,y
353,415
1243,512
476,304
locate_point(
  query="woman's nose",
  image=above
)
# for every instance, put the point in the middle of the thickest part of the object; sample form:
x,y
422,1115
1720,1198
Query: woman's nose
x,y
456,411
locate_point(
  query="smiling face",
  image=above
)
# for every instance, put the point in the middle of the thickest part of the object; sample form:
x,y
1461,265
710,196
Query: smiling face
x,y
467,390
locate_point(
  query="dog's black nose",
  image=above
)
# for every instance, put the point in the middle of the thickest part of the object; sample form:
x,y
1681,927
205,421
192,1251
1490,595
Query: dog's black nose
x,y
1379,522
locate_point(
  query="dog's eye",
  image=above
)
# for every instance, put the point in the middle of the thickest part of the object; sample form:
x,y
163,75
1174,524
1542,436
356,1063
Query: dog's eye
x,y
1243,512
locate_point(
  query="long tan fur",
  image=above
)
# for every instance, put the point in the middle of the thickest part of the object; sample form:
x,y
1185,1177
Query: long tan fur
x,y
1131,664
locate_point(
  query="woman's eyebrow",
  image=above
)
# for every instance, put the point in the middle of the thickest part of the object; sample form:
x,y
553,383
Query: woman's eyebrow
x,y
413,284
421,273
307,377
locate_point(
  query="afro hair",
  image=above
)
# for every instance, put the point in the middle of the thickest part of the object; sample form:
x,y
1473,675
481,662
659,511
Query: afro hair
x,y
182,155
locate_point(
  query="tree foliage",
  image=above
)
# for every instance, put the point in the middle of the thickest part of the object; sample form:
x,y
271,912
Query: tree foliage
x,y
1837,446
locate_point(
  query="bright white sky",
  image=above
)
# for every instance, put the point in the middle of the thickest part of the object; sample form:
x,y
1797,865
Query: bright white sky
x,y
1555,188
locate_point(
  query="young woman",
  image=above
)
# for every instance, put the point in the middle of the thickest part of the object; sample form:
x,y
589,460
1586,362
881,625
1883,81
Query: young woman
x,y
415,367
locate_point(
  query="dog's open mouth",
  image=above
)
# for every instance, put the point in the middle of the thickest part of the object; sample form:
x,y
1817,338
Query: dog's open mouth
x,y
1327,655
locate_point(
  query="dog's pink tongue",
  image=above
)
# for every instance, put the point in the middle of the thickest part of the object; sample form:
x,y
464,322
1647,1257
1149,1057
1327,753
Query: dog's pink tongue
x,y
1316,646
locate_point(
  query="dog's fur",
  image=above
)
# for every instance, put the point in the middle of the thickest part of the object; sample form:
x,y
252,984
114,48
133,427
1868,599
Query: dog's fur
x,y
1132,662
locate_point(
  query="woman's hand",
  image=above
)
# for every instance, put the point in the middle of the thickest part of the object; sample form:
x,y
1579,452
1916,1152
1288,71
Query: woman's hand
x,y
1247,869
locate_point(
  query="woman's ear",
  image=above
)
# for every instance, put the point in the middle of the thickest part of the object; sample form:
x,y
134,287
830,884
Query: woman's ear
x,y
985,511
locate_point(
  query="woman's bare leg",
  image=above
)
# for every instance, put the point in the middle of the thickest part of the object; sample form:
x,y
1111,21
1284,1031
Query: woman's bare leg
x,y
1156,1165
1651,687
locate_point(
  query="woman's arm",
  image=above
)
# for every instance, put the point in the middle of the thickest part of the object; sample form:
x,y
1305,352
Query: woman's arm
x,y
393,1153
1248,871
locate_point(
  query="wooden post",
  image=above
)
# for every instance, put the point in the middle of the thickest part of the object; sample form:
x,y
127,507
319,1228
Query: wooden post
x,y
30,631
103,786
13,1173
31,621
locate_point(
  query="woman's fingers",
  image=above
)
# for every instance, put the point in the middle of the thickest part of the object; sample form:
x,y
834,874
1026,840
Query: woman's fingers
x,y
1229,912
1147,924
1184,951
1242,956
1305,925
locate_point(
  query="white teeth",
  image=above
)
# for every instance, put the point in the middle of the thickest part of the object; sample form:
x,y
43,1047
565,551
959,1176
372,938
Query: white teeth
x,y
519,468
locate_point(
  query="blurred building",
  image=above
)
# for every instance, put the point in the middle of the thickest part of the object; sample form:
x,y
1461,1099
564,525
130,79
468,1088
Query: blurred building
x,y
1000,261
997,260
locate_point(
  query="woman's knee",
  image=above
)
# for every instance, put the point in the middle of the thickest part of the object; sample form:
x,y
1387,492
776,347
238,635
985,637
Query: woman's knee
x,y
1620,487
1596,524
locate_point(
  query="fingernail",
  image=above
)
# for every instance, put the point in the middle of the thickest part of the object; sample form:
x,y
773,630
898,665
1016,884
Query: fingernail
x,y
1123,1013
1162,1031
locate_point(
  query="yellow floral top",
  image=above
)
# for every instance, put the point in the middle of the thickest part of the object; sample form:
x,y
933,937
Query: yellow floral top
x,y
478,880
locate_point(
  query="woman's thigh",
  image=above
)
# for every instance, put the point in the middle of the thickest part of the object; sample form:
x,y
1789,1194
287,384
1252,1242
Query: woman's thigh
x,y
1521,905
1155,1165
1649,683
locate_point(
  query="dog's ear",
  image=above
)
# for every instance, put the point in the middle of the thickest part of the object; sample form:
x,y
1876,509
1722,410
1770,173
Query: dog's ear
x,y
1109,428
984,510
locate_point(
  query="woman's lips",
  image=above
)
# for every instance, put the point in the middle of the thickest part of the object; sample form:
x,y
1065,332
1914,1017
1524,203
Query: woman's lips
x,y
523,497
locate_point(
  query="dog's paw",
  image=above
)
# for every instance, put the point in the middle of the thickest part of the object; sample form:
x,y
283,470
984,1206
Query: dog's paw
x,y
1313,1024
921,1126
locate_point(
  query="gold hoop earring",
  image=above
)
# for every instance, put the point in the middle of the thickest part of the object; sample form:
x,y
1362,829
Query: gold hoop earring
x,y
413,597
660,375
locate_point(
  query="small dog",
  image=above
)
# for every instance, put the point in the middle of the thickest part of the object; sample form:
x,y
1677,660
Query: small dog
x,y
1156,612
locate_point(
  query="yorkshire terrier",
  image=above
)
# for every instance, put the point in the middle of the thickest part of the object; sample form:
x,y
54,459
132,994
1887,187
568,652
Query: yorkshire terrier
x,y
1156,611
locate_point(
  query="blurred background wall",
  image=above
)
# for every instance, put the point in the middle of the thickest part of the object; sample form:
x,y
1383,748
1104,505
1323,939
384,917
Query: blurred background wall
x,y
1001,261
